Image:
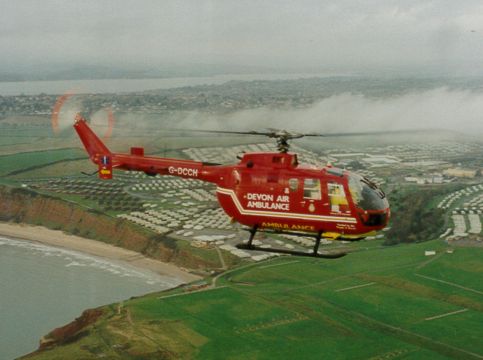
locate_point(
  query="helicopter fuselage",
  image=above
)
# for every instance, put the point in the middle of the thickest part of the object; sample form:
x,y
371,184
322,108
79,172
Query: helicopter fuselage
x,y
267,190
272,191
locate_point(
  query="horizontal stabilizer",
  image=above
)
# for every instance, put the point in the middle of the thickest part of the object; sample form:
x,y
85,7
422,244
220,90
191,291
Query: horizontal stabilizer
x,y
105,167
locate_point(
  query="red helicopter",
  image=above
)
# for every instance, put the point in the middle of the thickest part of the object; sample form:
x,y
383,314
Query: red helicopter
x,y
268,191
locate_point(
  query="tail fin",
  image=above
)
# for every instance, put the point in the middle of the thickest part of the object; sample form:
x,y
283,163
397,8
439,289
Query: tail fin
x,y
98,152
93,145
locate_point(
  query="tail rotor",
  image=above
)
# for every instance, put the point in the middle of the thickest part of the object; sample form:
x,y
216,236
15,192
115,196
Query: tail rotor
x,y
69,105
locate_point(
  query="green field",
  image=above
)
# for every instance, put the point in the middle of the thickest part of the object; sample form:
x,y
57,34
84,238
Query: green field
x,y
376,304
11,164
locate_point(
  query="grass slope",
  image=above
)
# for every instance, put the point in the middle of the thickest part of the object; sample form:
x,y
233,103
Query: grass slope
x,y
369,305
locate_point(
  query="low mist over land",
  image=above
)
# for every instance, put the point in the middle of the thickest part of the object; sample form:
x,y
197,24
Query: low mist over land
x,y
440,108
346,104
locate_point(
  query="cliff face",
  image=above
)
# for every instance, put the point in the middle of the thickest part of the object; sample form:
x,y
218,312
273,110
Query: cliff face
x,y
27,206
71,331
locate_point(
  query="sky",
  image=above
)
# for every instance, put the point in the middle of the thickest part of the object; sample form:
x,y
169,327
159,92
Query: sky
x,y
343,36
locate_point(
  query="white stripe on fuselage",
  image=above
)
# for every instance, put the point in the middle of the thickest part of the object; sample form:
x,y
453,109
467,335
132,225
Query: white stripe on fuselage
x,y
244,211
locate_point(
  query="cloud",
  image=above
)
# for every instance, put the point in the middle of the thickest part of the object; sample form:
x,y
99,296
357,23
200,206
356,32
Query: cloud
x,y
344,35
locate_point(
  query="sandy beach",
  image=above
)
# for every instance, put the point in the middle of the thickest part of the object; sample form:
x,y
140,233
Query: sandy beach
x,y
58,238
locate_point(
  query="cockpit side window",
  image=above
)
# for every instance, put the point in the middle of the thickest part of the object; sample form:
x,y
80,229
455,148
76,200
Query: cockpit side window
x,y
365,194
355,188
312,189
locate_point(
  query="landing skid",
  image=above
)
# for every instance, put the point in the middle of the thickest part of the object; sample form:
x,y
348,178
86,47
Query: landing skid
x,y
290,252
314,253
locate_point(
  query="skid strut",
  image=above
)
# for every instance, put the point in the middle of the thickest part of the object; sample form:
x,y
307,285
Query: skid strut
x,y
314,253
253,231
317,243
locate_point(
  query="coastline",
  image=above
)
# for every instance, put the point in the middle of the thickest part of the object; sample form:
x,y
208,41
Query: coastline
x,y
57,238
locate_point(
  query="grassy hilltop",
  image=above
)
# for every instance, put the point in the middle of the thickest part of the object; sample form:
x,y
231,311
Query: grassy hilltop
x,y
377,303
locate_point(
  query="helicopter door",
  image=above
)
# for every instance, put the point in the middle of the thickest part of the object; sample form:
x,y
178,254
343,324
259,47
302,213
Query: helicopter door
x,y
337,198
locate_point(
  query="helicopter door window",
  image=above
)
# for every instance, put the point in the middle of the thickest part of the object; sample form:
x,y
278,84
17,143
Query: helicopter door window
x,y
312,189
337,196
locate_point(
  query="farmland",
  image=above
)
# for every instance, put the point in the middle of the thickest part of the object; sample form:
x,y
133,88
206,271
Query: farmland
x,y
24,161
379,304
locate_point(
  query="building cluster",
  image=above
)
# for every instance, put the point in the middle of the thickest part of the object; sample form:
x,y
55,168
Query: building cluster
x,y
427,151
464,225
461,173
423,153
474,203
434,178
466,206
110,196
27,104
425,163
245,254
231,96
170,188
447,175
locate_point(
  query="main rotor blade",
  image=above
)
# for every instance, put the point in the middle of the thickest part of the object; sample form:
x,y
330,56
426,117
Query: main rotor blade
x,y
281,133
252,132
272,133
373,133
294,135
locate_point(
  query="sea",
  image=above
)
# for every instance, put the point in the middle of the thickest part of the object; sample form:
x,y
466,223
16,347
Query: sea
x,y
44,287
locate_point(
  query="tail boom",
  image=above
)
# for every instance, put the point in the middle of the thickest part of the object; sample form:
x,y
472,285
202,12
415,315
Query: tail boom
x,y
136,161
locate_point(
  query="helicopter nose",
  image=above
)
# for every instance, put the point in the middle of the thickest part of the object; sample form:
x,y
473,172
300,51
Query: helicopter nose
x,y
375,218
